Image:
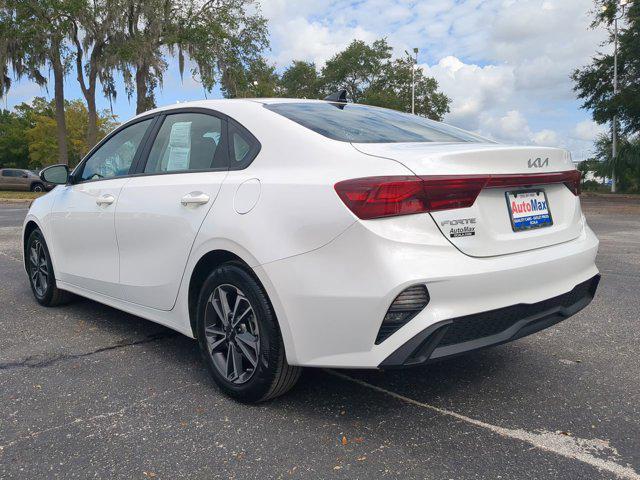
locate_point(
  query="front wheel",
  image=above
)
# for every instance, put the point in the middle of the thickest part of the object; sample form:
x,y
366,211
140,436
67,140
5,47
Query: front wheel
x,y
37,187
239,336
41,275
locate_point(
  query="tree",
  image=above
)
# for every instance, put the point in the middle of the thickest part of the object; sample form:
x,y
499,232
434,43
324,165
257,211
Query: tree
x,y
95,45
626,164
255,79
594,82
33,37
14,148
220,37
300,80
370,76
139,48
38,121
393,90
356,68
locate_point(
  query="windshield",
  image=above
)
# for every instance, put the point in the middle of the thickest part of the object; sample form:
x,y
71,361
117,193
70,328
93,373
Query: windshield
x,y
364,124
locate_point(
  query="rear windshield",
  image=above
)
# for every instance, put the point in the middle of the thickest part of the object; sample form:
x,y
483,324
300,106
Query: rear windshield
x,y
365,124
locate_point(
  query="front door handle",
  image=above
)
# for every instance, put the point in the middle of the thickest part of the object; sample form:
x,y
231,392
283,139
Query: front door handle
x,y
104,200
194,198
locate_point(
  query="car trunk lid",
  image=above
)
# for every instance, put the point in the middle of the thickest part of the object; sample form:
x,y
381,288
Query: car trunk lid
x,y
525,203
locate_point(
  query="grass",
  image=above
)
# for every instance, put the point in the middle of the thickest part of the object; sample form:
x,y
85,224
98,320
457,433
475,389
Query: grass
x,y
13,195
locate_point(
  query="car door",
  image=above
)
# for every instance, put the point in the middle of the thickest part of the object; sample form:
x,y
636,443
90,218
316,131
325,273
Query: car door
x,y
23,180
8,179
5,179
83,214
162,208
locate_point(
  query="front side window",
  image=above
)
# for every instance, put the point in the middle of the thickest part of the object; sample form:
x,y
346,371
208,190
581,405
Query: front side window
x,y
365,124
114,157
188,141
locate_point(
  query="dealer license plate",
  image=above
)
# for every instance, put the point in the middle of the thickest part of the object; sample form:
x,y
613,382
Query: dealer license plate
x,y
528,209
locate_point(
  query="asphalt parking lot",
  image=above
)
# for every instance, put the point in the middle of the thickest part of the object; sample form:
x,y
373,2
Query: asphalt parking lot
x,y
87,391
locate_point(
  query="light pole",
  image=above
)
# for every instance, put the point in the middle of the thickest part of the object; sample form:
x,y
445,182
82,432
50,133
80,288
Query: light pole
x,y
614,124
413,81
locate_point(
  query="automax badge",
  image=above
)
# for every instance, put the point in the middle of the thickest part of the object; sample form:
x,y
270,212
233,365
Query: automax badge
x,y
462,227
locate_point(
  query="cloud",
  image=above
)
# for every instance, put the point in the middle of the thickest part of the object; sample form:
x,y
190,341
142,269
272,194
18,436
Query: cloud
x,y
546,137
512,127
588,130
301,39
506,64
474,89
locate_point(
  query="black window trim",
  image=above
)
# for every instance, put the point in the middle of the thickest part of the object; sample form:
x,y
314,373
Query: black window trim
x,y
142,153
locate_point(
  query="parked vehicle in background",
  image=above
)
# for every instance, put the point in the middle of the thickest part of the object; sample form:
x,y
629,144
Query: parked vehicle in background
x,y
305,233
26,180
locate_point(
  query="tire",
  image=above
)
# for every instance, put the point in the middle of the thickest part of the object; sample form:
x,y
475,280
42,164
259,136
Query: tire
x,y
247,362
41,275
37,187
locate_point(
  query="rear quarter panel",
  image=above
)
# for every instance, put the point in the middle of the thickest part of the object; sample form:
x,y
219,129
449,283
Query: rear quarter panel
x,y
296,207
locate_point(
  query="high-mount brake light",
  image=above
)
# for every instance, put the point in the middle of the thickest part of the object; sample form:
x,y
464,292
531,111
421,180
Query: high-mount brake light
x,y
378,197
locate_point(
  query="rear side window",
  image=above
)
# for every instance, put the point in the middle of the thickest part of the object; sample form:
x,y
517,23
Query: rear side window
x,y
11,173
365,124
243,146
188,142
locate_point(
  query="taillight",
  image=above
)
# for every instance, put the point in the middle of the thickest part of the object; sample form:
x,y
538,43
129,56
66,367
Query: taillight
x,y
570,178
378,197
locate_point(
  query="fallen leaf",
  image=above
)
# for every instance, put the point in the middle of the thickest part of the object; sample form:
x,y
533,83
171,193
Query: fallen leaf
x,y
344,440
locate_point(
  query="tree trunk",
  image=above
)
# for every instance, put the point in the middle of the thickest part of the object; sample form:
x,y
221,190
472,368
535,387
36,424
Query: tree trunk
x,y
90,91
92,127
61,124
144,89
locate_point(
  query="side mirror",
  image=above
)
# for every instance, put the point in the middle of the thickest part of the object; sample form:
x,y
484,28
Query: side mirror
x,y
24,175
57,174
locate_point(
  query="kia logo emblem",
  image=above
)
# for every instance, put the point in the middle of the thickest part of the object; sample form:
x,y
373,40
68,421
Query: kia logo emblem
x,y
538,162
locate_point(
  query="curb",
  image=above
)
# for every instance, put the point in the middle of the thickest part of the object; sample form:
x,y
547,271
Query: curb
x,y
17,201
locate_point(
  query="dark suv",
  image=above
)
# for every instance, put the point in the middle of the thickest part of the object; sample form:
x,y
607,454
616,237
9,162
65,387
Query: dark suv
x,y
18,179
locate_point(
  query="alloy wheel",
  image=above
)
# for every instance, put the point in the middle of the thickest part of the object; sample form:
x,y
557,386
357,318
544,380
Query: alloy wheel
x,y
232,333
38,268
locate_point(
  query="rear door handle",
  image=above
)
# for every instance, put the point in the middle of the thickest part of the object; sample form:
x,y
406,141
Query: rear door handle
x,y
104,200
194,198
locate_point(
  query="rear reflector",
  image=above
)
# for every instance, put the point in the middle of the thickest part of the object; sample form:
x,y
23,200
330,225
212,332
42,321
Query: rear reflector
x,y
377,197
407,305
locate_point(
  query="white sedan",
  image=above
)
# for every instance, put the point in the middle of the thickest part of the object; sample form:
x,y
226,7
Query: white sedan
x,y
297,233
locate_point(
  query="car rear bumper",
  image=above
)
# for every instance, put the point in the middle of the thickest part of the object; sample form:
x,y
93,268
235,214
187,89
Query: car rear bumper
x,y
456,336
331,301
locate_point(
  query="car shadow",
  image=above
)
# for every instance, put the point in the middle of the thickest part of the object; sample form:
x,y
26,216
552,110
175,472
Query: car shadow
x,y
319,393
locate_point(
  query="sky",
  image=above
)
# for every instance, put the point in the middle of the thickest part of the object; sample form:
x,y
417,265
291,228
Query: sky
x,y
506,64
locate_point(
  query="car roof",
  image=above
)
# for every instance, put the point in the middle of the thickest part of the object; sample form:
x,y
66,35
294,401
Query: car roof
x,y
219,104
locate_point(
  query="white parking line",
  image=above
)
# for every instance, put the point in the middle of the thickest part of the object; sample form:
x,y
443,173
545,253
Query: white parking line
x,y
570,447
